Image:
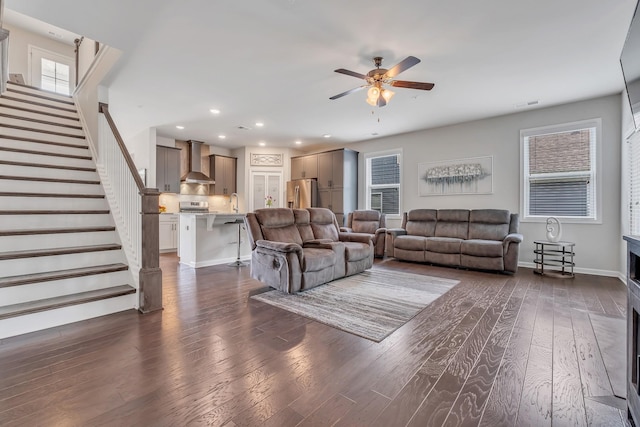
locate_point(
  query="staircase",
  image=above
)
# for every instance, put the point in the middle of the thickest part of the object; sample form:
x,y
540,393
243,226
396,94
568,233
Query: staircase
x,y
60,256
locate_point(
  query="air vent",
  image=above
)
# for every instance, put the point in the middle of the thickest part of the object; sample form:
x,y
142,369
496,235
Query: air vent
x,y
243,127
527,104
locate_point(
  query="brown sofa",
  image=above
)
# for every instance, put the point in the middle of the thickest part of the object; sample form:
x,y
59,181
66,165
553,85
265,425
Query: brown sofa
x,y
297,249
483,239
368,222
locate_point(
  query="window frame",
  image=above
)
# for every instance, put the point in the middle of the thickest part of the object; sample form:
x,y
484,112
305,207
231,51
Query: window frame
x,y
367,175
596,174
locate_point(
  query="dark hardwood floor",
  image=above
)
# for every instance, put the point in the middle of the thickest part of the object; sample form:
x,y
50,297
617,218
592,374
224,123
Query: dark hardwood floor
x,y
494,351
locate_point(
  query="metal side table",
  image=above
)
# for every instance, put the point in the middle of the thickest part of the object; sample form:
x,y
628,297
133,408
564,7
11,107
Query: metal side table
x,y
558,256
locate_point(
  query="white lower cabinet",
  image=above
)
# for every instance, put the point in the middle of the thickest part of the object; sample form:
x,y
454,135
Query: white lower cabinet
x,y
168,232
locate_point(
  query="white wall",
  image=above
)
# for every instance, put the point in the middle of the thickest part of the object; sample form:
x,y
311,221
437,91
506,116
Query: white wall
x,y
20,39
597,245
142,148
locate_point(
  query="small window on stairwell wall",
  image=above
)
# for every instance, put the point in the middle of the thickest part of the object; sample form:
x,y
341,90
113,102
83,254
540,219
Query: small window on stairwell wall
x,y
51,71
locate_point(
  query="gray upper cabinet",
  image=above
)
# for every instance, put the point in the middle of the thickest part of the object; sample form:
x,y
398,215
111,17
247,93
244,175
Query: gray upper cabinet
x,y
331,169
304,167
223,170
168,169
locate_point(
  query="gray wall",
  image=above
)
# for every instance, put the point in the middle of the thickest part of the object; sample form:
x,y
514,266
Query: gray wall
x,y
597,245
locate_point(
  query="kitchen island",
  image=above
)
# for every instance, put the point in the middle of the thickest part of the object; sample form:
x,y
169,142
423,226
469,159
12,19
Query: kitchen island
x,y
212,238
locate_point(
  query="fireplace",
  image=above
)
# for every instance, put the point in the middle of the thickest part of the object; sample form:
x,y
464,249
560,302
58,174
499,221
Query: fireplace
x,y
633,329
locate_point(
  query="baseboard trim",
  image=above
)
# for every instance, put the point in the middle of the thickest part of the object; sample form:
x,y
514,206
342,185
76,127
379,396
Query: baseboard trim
x,y
581,270
211,262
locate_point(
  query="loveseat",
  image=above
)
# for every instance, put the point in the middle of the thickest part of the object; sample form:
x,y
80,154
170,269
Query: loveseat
x,y
483,239
297,249
368,222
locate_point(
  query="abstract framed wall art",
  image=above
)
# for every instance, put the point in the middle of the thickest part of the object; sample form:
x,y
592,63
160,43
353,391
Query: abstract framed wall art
x,y
460,176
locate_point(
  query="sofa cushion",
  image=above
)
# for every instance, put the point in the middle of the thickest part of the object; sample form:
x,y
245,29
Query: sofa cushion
x,y
482,248
365,221
421,222
489,224
304,225
318,259
278,225
453,223
443,245
323,223
410,243
354,251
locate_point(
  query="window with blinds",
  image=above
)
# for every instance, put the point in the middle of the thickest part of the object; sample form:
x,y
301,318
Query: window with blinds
x,y
383,182
634,183
559,171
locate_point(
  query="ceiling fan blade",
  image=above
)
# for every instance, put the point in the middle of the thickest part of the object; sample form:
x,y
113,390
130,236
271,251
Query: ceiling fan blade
x,y
405,64
381,101
340,95
412,85
350,73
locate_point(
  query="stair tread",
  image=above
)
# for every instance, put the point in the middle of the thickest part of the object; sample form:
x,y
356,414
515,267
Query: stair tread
x,y
58,251
45,113
48,132
44,165
40,104
44,153
43,179
41,121
64,301
55,212
59,195
43,96
42,141
49,276
61,230
44,91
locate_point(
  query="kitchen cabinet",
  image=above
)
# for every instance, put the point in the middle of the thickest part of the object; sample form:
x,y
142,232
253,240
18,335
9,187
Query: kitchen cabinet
x,y
331,169
333,199
223,170
168,232
304,167
168,169
338,182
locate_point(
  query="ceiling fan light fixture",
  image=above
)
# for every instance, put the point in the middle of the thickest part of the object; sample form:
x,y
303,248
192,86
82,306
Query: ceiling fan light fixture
x,y
372,101
387,94
373,92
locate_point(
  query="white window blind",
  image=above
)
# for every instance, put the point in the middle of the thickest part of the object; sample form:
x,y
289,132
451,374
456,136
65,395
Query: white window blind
x,y
634,184
559,171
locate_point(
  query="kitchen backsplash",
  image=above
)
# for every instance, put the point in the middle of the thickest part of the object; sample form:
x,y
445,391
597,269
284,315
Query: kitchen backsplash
x,y
216,203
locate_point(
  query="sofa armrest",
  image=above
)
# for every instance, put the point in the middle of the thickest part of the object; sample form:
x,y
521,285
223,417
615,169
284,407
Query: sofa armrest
x,y
346,229
279,246
318,243
380,231
355,237
396,231
513,237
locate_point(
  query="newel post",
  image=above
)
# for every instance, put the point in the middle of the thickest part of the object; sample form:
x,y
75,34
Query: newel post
x,y
150,273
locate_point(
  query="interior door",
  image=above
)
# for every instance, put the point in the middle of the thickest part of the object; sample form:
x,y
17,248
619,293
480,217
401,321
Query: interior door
x,y
51,71
263,184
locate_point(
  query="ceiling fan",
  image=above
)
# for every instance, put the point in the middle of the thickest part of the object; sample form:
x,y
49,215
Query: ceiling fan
x,y
375,80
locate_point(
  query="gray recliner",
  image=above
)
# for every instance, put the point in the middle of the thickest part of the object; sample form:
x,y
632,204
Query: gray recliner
x,y
368,222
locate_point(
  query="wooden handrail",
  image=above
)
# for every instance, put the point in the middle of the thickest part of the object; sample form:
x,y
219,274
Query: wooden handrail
x,y
104,109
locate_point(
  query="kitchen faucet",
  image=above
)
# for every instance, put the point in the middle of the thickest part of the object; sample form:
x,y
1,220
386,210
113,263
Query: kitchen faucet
x,y
231,201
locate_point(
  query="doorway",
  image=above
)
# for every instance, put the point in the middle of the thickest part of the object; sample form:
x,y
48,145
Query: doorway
x,y
263,184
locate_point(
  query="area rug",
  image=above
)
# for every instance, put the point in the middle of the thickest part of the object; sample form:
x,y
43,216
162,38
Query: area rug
x,y
371,304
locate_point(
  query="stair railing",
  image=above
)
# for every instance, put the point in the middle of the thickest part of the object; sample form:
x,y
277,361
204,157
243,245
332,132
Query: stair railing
x,y
135,210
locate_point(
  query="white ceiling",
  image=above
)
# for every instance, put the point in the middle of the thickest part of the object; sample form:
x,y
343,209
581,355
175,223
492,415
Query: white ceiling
x,y
273,61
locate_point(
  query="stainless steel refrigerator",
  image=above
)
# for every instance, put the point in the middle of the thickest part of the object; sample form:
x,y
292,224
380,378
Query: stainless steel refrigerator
x,y
302,193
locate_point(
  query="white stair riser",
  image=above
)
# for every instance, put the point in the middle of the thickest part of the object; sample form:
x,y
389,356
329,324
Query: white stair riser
x,y
37,92
44,109
38,116
39,135
27,96
52,203
41,126
49,187
30,171
35,146
18,267
46,160
28,222
36,291
52,241
38,321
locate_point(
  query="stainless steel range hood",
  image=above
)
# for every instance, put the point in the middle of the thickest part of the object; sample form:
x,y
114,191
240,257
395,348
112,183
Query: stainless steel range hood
x,y
195,175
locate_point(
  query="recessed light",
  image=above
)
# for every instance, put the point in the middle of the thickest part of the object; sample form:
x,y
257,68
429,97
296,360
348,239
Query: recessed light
x,y
298,142
214,111
222,136
262,143
326,135
179,127
259,124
